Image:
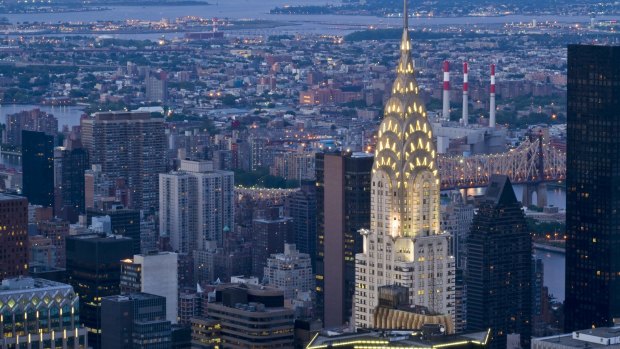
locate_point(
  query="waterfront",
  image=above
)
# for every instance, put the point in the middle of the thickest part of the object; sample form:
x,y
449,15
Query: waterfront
x,y
287,24
69,116
554,269
556,196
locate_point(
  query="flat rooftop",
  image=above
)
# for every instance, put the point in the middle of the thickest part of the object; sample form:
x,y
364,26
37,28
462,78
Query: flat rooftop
x,y
24,284
4,196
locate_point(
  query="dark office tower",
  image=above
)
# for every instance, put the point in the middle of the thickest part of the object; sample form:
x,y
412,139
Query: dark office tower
x,y
593,187
135,321
13,236
129,146
271,231
70,163
499,266
38,168
125,222
343,208
94,271
302,207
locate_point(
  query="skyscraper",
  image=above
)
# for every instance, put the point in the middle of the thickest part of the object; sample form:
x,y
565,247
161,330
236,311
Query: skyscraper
x,y
270,232
302,207
343,207
131,146
38,168
29,120
94,268
404,244
70,163
593,192
13,236
196,205
499,266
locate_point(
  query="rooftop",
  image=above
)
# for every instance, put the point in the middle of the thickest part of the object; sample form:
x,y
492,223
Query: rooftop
x,y
397,339
4,196
588,338
21,284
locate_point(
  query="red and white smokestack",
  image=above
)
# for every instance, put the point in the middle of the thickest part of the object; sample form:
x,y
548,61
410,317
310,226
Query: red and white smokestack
x,y
492,99
465,95
446,90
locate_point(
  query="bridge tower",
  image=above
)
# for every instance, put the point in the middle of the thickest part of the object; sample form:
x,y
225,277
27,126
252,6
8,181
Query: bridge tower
x,y
536,183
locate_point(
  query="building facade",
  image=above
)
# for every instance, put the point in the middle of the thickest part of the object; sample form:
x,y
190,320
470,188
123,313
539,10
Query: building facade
x,y
93,269
29,120
154,273
40,313
13,236
197,205
38,168
405,245
302,208
592,197
70,162
252,317
343,207
124,222
290,272
270,233
499,267
131,146
135,321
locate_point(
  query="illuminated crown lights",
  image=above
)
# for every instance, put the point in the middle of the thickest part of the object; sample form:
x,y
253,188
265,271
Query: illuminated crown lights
x,y
405,140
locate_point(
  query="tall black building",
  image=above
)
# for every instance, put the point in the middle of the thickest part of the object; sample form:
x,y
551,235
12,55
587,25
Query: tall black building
x,y
72,161
94,271
125,222
499,266
593,187
38,168
135,321
343,208
302,207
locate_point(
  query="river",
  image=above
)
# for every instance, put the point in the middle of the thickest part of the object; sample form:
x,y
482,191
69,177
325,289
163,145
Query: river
x,y
554,272
293,24
66,115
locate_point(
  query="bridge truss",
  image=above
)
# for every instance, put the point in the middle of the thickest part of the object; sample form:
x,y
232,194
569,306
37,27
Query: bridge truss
x,y
533,161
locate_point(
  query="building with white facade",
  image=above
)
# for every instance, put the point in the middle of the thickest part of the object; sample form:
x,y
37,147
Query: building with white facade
x,y
196,205
154,273
290,271
405,245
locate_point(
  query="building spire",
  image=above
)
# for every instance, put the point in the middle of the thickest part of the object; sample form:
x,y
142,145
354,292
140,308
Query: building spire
x,y
405,16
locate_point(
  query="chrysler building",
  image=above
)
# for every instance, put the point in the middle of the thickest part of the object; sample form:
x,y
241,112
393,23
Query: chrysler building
x,y
404,244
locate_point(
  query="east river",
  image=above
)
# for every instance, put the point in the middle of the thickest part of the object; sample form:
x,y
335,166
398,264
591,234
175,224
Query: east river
x,y
289,24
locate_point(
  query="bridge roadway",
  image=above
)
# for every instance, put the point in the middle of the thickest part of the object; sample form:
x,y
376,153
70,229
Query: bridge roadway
x,y
533,162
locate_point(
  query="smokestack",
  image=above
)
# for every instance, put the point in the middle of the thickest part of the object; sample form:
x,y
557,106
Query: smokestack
x,y
465,118
492,100
446,90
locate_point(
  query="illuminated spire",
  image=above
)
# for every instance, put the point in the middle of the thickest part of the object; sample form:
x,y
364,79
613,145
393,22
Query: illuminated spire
x,y
405,157
405,16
